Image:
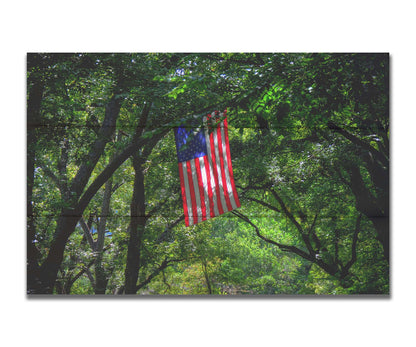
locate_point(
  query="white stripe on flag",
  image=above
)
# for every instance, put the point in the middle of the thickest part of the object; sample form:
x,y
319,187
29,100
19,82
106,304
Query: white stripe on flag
x,y
227,173
205,185
211,173
196,190
218,168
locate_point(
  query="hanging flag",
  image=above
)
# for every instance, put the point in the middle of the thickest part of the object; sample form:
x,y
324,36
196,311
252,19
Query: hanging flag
x,y
205,171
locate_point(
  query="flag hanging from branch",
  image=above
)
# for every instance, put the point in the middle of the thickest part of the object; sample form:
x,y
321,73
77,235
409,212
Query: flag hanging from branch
x,y
205,170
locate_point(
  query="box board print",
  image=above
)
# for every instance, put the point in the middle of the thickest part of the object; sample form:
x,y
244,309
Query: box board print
x,y
207,174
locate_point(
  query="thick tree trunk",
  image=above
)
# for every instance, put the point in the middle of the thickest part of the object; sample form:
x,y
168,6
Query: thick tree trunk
x,y
101,279
138,216
137,227
381,224
374,208
49,269
207,280
375,205
33,122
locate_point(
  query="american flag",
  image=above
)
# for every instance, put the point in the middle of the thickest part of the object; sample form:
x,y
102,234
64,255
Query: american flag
x,y
205,171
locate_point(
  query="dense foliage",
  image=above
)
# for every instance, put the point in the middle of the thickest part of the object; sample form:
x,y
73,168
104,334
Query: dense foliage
x,y
309,139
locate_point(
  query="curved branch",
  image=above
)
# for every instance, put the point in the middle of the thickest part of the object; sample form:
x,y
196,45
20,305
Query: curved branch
x,y
111,168
330,269
287,212
72,280
357,141
281,246
156,272
305,237
265,204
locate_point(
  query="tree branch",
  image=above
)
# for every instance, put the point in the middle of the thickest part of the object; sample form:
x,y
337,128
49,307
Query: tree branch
x,y
161,267
305,237
165,235
104,135
311,256
283,247
63,162
357,141
312,227
48,172
287,212
265,204
312,232
105,211
353,259
111,168
84,270
87,233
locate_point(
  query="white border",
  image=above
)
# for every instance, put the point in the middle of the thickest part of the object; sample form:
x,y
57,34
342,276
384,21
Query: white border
x,y
122,26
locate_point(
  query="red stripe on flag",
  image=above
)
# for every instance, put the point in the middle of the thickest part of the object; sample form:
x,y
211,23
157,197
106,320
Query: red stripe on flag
x,y
192,192
230,168
185,207
210,195
224,180
201,189
214,169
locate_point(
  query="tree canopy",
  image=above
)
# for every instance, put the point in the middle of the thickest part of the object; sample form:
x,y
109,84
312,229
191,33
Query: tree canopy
x,y
309,141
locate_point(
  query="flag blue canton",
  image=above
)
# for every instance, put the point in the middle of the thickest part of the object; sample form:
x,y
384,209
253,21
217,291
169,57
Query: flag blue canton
x,y
190,143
